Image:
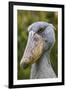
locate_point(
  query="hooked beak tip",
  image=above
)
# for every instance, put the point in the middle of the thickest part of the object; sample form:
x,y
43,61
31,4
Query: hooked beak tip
x,y
23,65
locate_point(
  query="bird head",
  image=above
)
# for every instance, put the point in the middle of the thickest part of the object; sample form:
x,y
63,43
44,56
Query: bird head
x,y
41,39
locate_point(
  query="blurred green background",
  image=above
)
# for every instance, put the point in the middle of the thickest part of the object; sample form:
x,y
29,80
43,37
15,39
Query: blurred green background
x,y
24,19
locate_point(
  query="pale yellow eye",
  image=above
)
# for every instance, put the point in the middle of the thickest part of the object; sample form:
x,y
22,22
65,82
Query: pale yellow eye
x,y
40,30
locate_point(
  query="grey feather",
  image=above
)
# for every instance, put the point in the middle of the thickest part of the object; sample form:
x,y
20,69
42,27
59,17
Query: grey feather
x,y
43,69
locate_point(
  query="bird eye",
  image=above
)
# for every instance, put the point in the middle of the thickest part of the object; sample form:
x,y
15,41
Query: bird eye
x,y
40,30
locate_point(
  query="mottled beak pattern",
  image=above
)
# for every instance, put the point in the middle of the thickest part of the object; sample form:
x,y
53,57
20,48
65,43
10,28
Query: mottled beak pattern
x,y
33,50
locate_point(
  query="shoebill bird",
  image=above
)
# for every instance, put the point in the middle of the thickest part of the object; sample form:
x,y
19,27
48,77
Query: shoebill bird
x,y
41,39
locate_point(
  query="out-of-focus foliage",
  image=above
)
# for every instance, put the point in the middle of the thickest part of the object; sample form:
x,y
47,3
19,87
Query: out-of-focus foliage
x,y
24,19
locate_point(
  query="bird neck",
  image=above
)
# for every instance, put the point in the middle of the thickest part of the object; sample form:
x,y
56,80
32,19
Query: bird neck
x,y
43,68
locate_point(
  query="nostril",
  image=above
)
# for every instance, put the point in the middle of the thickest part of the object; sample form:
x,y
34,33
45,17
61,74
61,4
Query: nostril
x,y
24,65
